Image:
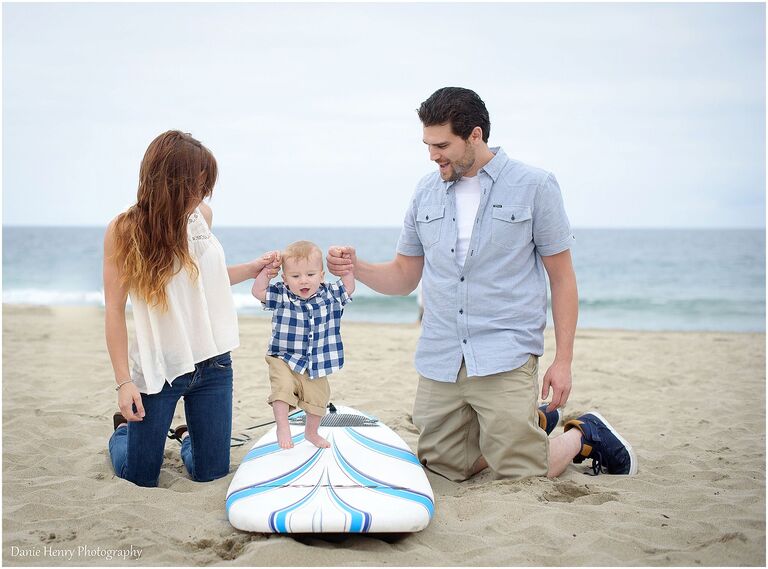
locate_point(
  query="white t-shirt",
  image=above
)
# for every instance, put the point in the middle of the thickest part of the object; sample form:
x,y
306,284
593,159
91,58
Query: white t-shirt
x,y
200,322
467,192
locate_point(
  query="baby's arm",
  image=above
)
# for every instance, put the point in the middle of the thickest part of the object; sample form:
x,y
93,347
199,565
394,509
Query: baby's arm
x,y
259,288
349,282
260,284
348,279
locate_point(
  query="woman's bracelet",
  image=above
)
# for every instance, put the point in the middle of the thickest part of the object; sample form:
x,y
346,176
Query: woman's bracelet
x,y
119,385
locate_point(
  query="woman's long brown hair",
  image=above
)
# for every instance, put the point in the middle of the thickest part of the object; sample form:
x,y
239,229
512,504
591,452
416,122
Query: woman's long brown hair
x,y
151,244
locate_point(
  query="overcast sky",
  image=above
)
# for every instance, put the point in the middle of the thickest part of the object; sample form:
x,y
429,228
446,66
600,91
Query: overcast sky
x,y
650,115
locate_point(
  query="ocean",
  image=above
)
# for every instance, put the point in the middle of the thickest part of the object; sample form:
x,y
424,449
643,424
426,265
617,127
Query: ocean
x,y
640,279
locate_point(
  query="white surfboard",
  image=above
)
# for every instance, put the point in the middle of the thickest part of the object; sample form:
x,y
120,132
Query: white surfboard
x,y
368,481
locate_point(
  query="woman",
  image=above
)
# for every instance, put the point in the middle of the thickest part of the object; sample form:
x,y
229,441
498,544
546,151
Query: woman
x,y
162,254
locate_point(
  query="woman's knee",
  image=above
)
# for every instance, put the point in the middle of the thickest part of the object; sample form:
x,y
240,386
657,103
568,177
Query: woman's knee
x,y
209,477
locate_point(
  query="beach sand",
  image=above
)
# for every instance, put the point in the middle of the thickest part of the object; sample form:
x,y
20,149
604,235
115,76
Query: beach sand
x,y
692,405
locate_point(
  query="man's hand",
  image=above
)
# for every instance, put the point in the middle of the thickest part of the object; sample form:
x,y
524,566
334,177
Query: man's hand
x,y
558,377
341,260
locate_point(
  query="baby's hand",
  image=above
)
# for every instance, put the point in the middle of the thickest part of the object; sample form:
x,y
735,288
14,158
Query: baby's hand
x,y
271,262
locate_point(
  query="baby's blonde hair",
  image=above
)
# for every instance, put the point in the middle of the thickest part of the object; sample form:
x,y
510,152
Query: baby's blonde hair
x,y
301,250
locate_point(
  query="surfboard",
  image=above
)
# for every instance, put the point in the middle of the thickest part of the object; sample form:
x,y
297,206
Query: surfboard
x,y
368,481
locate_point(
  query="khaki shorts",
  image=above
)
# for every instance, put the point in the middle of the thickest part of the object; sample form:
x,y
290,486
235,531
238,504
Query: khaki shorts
x,y
494,416
297,389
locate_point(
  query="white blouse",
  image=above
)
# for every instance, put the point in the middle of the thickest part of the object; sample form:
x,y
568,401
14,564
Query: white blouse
x,y
200,322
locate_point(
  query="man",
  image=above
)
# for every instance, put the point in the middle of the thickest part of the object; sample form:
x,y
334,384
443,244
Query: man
x,y
480,234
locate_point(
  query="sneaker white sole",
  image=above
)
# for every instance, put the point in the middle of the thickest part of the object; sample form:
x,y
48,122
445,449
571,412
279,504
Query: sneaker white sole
x,y
559,418
630,451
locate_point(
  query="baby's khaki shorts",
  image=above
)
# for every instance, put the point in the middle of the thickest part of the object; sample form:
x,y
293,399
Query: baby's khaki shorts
x,y
297,389
494,416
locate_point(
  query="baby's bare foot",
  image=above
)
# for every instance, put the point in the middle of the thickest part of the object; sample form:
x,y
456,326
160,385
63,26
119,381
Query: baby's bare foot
x,y
317,440
284,436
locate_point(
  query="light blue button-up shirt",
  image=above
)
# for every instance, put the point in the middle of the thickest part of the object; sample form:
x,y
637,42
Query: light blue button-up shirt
x,y
492,311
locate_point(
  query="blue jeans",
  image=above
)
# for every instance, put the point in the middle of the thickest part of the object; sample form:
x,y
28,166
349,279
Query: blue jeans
x,y
137,451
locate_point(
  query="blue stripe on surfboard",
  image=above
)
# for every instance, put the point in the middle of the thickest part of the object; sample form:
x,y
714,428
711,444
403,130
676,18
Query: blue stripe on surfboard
x,y
269,448
360,521
278,519
379,486
384,448
276,482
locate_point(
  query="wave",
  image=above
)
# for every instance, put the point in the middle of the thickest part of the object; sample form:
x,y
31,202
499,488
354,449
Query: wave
x,y
366,306
745,314
242,300
36,296
373,300
690,306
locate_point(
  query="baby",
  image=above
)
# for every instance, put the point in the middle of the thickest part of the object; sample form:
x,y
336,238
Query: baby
x,y
306,341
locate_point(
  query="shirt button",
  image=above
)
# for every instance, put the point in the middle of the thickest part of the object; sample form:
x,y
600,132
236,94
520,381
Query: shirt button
x,y
454,219
462,279
461,311
451,250
464,340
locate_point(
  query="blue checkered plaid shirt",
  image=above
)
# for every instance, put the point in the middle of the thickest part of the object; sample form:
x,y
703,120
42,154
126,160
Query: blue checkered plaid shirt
x,y
307,333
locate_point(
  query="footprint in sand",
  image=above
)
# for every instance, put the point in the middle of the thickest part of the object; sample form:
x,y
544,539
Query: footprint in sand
x,y
570,492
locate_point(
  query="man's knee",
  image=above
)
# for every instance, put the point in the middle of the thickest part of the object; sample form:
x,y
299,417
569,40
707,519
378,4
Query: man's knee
x,y
453,472
450,452
518,457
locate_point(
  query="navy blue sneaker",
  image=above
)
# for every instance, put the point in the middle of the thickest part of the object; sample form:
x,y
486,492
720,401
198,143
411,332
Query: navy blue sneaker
x,y
548,421
608,450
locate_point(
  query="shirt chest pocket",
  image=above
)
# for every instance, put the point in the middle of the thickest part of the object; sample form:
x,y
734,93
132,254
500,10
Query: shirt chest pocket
x,y
512,226
319,313
429,221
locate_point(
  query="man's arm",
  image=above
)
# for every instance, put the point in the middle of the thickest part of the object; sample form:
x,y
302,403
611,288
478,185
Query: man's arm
x,y
565,312
397,277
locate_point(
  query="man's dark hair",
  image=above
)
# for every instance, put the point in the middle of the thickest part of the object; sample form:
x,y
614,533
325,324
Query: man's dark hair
x,y
461,108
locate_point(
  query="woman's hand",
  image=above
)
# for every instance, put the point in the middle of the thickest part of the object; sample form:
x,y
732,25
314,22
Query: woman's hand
x,y
251,269
270,259
128,396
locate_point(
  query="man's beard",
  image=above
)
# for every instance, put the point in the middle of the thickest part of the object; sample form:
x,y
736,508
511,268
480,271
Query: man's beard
x,y
463,165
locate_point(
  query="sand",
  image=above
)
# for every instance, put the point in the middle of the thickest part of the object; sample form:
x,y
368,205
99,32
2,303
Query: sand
x,y
692,404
